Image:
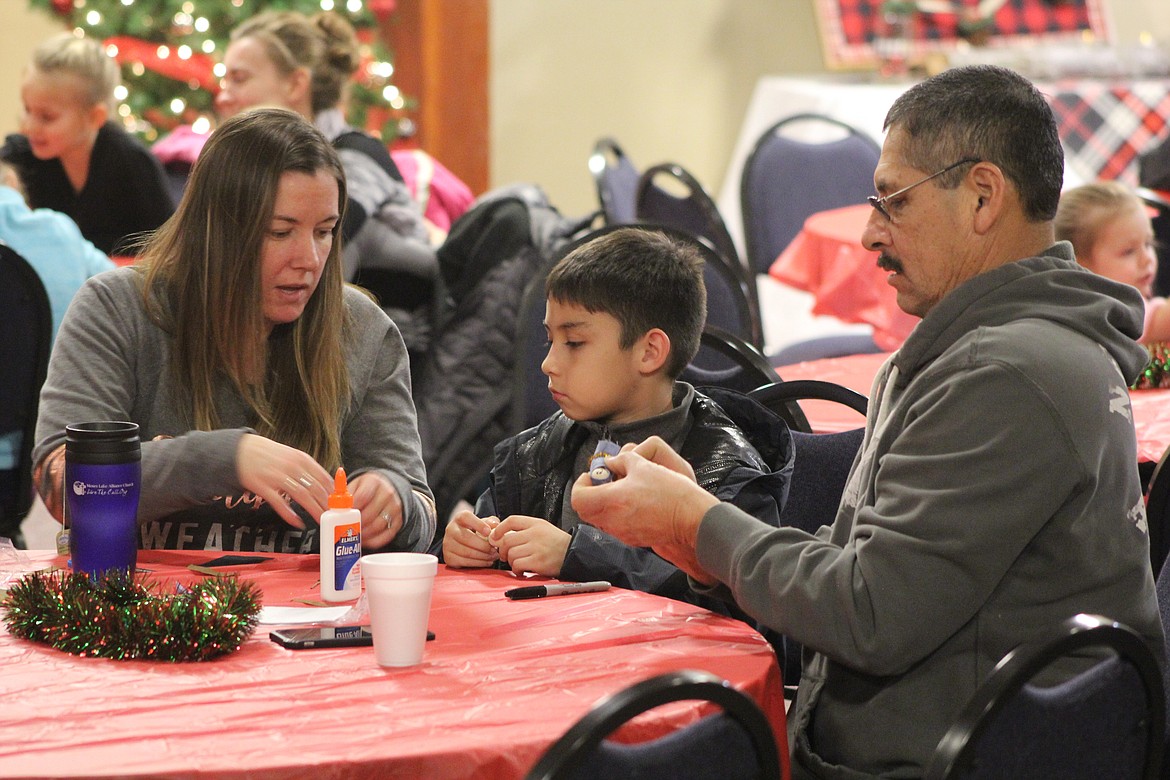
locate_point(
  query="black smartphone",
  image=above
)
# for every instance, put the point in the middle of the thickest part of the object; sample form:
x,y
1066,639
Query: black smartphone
x,y
322,636
325,636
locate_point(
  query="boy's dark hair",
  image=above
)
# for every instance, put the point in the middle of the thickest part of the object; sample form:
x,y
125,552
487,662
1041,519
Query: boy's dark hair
x,y
642,278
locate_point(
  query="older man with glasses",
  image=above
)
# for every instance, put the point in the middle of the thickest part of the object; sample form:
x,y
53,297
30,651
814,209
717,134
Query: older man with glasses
x,y
996,492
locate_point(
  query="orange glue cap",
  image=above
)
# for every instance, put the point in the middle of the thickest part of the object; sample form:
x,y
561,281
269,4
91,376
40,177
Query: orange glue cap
x,y
340,497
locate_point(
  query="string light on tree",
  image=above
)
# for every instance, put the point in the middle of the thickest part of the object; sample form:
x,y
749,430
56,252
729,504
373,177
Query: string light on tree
x,y
169,50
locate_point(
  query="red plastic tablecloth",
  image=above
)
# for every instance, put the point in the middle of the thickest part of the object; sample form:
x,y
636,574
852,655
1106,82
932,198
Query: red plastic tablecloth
x,y
1151,408
827,259
501,681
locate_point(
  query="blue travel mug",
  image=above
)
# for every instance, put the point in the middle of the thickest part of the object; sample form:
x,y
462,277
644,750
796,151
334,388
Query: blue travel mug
x,y
103,472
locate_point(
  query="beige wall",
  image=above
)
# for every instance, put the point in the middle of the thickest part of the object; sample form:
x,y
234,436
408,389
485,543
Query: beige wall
x,y
25,29
670,79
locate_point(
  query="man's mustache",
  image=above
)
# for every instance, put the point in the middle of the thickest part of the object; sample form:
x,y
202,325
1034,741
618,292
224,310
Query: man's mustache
x,y
887,263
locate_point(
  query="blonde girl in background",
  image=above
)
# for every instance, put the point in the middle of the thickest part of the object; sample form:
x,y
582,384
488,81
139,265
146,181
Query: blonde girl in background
x,y
72,158
1111,234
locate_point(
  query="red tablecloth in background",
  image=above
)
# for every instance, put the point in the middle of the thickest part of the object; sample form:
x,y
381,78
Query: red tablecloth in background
x,y
501,681
1151,408
827,259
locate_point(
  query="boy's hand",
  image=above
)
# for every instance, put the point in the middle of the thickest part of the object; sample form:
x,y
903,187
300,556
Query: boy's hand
x,y
465,541
529,544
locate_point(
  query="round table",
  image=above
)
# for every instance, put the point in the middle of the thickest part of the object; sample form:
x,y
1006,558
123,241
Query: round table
x,y
1151,408
502,680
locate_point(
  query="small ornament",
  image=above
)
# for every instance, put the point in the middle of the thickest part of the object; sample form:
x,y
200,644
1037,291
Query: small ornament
x,y
599,474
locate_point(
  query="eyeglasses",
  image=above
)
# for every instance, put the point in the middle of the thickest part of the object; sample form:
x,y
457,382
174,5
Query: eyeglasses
x,y
880,203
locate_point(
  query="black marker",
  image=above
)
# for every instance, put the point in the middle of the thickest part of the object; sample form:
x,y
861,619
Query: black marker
x,y
556,589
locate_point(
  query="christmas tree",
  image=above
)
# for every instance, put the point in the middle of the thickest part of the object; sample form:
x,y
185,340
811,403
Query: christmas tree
x,y
169,51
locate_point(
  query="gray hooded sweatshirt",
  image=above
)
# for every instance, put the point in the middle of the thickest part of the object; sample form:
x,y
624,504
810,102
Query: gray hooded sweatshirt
x,y
995,495
111,362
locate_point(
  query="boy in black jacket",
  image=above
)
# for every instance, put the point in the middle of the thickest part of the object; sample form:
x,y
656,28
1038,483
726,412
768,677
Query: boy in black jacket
x,y
624,315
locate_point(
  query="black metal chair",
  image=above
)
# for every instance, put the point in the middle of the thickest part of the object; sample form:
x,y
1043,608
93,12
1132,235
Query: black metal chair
x,y
531,400
26,332
731,304
669,195
738,742
785,179
726,360
1158,512
616,178
823,460
1107,721
1163,588
819,472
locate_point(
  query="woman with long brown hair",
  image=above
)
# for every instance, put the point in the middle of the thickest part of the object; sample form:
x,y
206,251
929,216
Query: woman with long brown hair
x,y
252,370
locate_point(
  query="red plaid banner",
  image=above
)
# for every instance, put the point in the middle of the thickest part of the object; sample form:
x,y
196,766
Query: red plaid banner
x,y
850,28
1104,126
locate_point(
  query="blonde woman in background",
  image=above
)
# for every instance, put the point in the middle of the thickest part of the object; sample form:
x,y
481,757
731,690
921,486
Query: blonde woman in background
x,y
303,63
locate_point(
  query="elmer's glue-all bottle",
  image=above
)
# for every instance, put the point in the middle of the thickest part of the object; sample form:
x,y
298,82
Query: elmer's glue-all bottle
x,y
341,545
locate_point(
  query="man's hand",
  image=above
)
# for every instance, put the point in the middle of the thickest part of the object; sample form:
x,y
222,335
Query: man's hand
x,y
652,502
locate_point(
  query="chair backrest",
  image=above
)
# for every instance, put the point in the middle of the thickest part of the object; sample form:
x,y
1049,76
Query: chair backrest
x,y
26,332
1158,512
819,472
739,742
726,360
616,178
670,194
1107,721
786,179
823,460
1160,221
531,400
1163,589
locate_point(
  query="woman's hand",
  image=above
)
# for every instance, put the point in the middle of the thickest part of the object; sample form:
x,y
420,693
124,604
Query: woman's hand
x,y
280,474
381,509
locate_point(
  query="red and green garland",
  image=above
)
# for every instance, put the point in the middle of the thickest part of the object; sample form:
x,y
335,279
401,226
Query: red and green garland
x,y
1157,371
123,617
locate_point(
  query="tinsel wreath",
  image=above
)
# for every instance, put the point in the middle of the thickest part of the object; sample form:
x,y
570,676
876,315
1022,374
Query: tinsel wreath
x,y
119,616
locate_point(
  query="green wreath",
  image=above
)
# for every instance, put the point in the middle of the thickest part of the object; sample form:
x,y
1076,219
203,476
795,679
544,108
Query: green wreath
x,y
123,617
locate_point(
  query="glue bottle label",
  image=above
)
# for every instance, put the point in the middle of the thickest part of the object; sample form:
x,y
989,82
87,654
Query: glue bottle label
x,y
347,552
